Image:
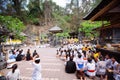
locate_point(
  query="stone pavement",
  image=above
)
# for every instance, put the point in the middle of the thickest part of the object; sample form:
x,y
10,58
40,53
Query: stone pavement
x,y
52,67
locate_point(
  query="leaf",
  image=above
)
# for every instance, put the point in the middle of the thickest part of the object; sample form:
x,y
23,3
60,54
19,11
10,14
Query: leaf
x,y
14,25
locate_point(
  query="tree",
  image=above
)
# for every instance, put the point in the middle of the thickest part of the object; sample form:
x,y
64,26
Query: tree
x,y
47,11
14,26
74,13
88,26
13,8
2,9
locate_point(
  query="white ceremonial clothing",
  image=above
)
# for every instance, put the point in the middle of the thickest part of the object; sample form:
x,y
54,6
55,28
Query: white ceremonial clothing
x,y
101,68
114,66
36,72
79,63
13,76
91,69
108,63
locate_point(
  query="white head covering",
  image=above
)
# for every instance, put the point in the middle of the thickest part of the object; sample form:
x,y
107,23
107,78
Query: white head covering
x,y
37,58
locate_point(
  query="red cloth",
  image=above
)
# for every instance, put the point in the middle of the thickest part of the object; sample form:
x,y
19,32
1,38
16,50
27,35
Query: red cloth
x,y
91,70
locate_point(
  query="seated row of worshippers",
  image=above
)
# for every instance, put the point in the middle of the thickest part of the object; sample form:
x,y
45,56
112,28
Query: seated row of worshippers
x,y
19,54
84,60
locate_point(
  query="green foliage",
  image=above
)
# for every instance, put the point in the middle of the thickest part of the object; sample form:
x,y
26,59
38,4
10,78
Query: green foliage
x,y
3,38
67,18
32,19
61,20
14,25
22,38
35,21
65,34
43,36
88,26
34,12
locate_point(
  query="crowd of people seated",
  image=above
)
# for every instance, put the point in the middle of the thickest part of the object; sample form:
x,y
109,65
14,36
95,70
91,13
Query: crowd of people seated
x,y
14,55
19,55
84,60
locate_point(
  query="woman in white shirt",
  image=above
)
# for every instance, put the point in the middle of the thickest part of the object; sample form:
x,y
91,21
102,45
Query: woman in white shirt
x,y
14,74
37,68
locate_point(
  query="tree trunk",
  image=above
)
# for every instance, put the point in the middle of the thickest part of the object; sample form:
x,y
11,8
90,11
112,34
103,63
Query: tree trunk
x,y
47,12
17,7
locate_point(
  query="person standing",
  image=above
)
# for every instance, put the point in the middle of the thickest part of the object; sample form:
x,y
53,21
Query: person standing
x,y
14,74
37,68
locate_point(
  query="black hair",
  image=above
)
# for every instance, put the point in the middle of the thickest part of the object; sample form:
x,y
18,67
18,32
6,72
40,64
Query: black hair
x,y
37,61
71,58
35,51
89,60
113,57
79,55
14,67
17,49
84,52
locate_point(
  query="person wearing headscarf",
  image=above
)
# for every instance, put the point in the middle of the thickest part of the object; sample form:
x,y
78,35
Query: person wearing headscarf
x,y
14,74
36,75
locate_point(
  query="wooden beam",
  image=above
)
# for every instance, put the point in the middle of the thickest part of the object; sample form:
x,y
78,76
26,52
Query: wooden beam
x,y
105,9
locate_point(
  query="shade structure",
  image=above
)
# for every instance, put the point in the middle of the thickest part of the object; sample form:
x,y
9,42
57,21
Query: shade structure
x,y
55,29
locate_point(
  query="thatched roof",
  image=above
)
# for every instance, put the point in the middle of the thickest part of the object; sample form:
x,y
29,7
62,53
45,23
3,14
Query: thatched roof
x,y
55,29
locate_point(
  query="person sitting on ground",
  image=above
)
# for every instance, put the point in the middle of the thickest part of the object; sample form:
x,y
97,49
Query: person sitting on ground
x,y
61,50
35,53
70,66
37,68
19,56
80,67
117,76
2,77
28,55
90,67
14,74
57,52
23,54
108,61
101,70
111,71
17,52
108,66
12,55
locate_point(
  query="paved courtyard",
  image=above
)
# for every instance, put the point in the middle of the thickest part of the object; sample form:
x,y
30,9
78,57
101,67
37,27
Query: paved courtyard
x,y
52,67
